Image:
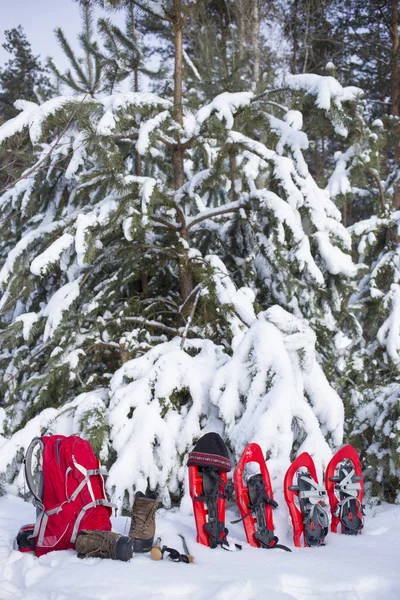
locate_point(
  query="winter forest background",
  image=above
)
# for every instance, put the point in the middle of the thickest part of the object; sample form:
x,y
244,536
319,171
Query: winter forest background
x,y
200,230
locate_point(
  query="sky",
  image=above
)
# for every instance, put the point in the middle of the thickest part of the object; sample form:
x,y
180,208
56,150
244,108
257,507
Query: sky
x,y
39,18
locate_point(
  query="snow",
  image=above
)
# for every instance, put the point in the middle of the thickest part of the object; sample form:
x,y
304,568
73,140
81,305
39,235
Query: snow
x,y
328,92
161,402
22,245
253,145
32,116
224,106
147,128
57,305
378,124
289,134
263,382
294,119
28,320
78,156
335,260
120,103
339,181
157,7
347,568
274,368
100,215
327,89
241,299
52,254
382,283
146,189
158,431
191,65
389,332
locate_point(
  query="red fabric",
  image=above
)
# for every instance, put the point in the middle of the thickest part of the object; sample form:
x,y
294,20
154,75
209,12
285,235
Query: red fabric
x,y
60,480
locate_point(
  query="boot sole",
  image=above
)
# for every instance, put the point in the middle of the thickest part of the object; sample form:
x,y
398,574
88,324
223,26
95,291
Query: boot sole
x,y
141,546
124,549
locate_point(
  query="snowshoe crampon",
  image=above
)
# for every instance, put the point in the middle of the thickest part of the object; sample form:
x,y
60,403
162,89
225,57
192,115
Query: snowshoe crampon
x,y
345,487
256,501
208,483
304,495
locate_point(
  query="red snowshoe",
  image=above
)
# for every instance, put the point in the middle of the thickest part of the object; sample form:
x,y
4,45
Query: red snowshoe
x,y
345,486
208,484
303,498
256,501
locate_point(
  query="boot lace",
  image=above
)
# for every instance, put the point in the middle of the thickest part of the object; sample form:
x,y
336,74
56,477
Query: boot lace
x,y
144,521
107,549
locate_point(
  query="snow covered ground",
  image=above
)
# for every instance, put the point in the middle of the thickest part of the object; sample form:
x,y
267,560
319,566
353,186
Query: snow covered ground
x,y
361,568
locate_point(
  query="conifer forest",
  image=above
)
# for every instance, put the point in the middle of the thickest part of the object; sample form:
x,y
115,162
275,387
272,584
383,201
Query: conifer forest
x,y
200,231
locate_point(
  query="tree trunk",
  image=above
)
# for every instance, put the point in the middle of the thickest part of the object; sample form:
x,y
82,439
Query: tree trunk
x,y
185,274
178,33
178,109
395,58
256,42
224,40
241,28
234,174
294,38
306,36
395,72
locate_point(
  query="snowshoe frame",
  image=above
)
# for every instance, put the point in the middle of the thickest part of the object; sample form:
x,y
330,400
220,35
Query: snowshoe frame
x,y
309,519
345,487
255,499
208,487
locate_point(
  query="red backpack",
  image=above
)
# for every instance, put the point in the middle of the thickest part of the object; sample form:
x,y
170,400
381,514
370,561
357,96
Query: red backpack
x,y
69,497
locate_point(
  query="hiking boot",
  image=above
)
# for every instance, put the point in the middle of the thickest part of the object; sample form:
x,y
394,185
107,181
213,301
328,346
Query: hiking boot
x,y
143,524
103,544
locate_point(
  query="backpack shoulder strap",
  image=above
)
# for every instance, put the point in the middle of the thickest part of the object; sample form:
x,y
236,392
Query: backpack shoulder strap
x,y
36,493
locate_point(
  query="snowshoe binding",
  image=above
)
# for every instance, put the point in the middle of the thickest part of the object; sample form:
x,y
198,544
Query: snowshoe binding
x,y
256,501
345,486
208,483
309,517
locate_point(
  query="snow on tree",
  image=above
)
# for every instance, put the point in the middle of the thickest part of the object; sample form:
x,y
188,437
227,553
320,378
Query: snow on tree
x,y
373,410
375,404
198,288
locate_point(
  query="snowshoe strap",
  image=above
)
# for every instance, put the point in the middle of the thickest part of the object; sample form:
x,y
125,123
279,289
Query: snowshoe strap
x,y
258,494
211,481
215,528
348,485
274,544
315,517
315,493
351,521
258,498
316,524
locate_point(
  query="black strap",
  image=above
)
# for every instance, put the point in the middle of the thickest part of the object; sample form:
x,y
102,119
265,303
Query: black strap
x,y
174,555
315,525
258,499
216,530
353,525
281,547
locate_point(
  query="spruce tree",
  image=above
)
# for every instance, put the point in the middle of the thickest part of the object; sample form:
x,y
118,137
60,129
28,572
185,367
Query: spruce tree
x,y
85,74
23,77
205,291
